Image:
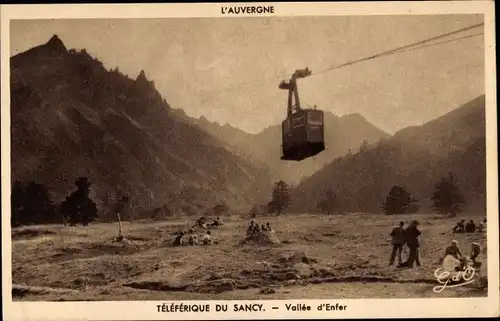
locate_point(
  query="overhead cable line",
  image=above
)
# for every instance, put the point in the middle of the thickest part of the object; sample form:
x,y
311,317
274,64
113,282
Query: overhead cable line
x,y
406,48
397,50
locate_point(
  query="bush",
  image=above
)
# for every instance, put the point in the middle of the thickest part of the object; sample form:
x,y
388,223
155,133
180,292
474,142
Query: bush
x,y
400,201
32,204
78,207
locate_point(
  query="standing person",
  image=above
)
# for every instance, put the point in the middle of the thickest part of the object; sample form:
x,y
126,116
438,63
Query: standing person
x,y
412,234
398,241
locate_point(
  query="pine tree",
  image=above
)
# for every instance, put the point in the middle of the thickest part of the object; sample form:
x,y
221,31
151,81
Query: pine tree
x,y
78,207
280,197
400,201
447,197
32,204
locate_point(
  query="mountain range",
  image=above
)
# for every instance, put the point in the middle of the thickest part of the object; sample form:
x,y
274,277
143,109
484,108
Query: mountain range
x,y
415,157
72,117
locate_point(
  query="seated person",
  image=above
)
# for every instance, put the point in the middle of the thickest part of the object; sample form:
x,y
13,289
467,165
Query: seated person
x,y
178,239
193,240
207,240
475,251
268,228
481,227
453,250
451,264
251,228
470,227
201,221
459,228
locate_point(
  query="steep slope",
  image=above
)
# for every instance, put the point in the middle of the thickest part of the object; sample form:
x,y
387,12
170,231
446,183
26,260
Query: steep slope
x,y
416,157
341,135
71,117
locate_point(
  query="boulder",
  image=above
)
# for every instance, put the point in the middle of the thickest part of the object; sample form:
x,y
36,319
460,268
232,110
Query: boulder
x,y
262,238
303,270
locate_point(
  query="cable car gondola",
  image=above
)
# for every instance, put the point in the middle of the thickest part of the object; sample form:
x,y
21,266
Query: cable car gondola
x,y
303,129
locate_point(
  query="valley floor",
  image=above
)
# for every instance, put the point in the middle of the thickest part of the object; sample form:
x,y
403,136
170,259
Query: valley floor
x,y
320,257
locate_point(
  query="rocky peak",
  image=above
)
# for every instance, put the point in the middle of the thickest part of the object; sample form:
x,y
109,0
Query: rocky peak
x,y
56,44
142,77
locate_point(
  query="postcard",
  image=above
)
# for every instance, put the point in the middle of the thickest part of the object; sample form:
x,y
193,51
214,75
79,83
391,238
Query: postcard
x,y
249,161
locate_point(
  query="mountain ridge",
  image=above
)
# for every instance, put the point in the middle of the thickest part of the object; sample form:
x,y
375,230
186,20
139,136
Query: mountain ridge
x,y
342,134
71,117
415,157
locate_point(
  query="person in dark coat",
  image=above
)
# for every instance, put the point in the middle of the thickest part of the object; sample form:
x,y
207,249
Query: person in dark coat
x,y
398,241
475,251
178,239
251,228
470,227
412,234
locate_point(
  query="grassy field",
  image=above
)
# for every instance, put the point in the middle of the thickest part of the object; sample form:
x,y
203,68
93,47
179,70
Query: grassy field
x,y
320,257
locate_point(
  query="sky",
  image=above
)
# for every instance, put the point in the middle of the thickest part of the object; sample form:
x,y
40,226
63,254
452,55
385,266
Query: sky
x,y
228,69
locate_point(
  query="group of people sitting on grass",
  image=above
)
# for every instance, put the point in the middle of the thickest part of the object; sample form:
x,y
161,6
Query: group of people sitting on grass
x,y
202,222
454,260
254,228
469,227
192,239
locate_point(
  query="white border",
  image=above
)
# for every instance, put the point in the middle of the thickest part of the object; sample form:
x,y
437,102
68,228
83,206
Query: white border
x,y
369,308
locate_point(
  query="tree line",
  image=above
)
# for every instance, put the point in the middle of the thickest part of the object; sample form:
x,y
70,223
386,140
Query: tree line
x,y
446,198
32,204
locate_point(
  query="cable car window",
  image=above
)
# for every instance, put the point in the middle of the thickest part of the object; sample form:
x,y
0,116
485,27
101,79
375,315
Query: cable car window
x,y
298,121
314,135
315,119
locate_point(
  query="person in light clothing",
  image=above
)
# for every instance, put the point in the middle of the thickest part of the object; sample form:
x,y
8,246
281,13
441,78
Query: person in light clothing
x,y
207,240
453,250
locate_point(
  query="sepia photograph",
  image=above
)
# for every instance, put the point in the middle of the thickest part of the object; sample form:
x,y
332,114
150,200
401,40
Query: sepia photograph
x,y
249,158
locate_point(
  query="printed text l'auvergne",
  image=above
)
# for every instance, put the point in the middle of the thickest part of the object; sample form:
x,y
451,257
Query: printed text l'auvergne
x,y
235,10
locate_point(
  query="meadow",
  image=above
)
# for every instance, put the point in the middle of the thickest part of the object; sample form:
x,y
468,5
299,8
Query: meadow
x,y
319,257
